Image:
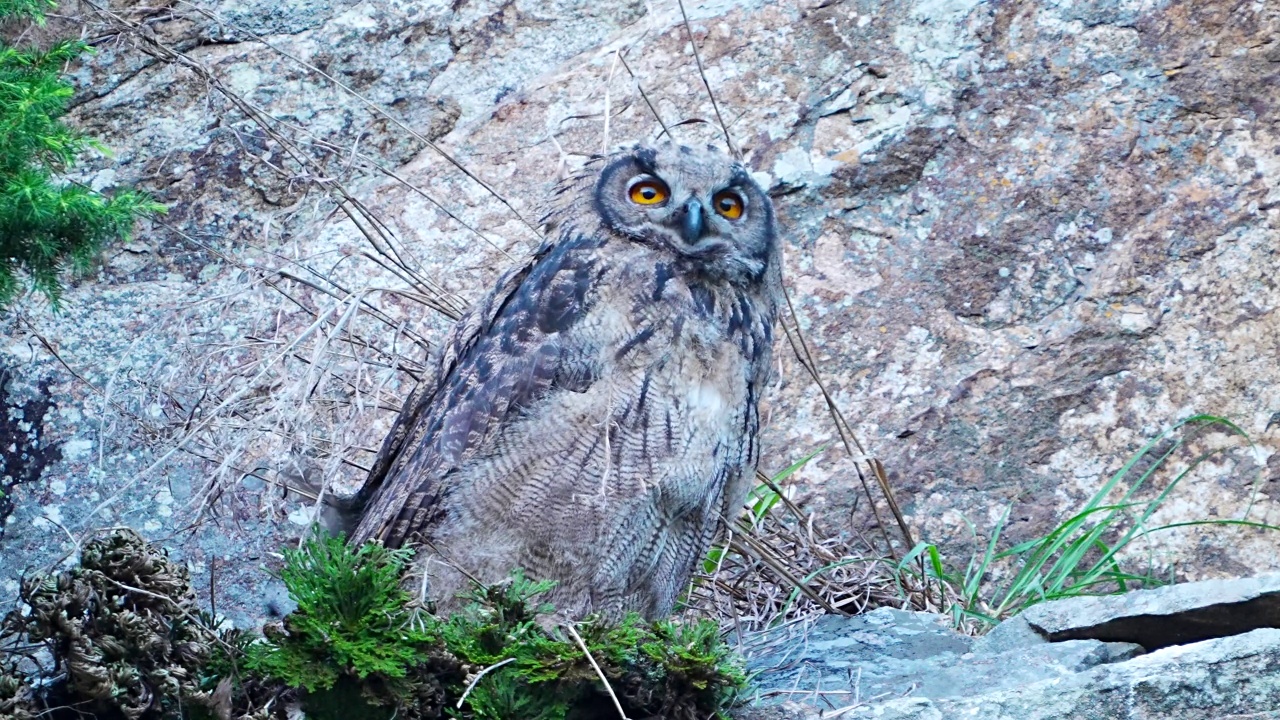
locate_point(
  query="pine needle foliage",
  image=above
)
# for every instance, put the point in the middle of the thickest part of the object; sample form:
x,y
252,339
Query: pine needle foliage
x,y
30,9
47,224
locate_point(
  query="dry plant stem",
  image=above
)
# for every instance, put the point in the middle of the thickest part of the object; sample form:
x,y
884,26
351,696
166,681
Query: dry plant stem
x,y
379,167
475,680
426,285
389,250
378,234
374,310
608,104
262,276
156,434
106,399
418,191
786,501
444,558
373,107
844,710
862,478
53,351
208,420
376,165
375,231
653,110
644,96
609,688
765,555
749,593
147,427
693,42
801,348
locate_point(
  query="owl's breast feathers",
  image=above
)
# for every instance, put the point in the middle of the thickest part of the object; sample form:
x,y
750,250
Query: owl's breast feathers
x,y
598,370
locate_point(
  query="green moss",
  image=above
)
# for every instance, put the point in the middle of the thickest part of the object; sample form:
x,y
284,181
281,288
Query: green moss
x,y
502,658
354,633
663,669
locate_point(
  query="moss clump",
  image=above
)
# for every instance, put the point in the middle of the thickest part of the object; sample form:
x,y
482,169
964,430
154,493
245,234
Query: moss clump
x,y
655,669
355,633
120,627
357,642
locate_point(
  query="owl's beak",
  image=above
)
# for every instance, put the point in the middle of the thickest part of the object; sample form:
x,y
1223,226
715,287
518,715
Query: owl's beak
x,y
691,226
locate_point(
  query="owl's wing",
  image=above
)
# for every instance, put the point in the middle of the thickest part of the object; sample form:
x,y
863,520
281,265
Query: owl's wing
x,y
499,358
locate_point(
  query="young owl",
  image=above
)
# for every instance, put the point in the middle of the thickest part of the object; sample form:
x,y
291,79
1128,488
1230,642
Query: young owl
x,y
594,417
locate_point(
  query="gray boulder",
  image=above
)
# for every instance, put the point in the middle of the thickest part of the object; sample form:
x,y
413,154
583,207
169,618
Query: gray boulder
x,y
1216,654
1173,615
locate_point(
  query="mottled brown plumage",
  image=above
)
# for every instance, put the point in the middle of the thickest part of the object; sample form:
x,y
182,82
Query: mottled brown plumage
x,y
594,416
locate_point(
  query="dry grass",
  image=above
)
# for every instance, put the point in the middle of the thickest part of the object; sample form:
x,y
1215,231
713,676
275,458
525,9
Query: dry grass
x,y
321,351
785,561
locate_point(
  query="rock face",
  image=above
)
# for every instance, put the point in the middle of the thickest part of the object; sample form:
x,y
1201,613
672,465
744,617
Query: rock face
x,y
888,652
1022,238
1173,615
906,666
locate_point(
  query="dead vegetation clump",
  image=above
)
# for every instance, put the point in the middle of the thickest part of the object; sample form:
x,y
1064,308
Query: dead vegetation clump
x,y
784,562
120,630
17,701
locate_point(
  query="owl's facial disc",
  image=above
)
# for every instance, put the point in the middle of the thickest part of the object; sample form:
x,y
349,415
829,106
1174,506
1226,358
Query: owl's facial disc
x,y
698,204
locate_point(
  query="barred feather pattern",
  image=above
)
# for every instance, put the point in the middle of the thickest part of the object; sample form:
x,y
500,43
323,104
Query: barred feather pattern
x,y
595,415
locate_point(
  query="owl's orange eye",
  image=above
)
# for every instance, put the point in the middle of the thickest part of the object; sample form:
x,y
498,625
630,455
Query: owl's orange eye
x,y
648,191
729,204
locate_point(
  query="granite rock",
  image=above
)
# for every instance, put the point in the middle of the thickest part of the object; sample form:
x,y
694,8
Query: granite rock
x,y
1237,676
1022,238
1058,660
889,653
1160,617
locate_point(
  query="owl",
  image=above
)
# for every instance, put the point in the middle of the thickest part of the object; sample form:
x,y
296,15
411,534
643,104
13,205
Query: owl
x,y
594,417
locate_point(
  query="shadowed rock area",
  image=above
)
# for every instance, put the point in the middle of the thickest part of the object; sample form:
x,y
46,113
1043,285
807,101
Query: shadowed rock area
x,y
1215,655
25,453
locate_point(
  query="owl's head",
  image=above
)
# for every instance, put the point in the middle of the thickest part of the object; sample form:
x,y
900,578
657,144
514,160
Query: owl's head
x,y
698,203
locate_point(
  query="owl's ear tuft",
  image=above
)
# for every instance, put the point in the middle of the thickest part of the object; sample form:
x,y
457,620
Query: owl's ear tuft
x,y
646,158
